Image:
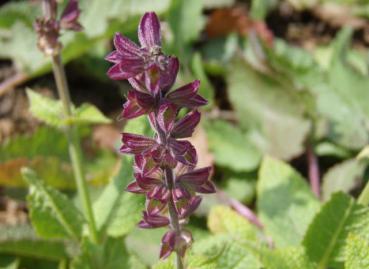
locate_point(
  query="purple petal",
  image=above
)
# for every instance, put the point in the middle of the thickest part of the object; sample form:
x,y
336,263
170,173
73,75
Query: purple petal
x,y
180,192
147,183
149,30
166,117
114,57
168,77
196,177
127,48
131,67
186,209
146,166
186,126
208,187
69,17
153,221
133,187
186,96
136,144
160,193
154,207
168,243
133,108
184,152
164,157
116,73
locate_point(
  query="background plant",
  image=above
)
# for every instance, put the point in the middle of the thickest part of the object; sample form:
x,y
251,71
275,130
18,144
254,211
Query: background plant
x,y
261,77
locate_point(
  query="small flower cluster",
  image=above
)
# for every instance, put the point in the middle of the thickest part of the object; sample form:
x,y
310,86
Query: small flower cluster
x,y
48,27
164,166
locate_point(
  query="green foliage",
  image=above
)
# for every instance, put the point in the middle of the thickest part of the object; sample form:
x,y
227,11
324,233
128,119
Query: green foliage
x,y
53,215
337,218
117,211
285,203
287,258
267,108
51,112
22,242
110,254
231,147
8,262
343,177
357,252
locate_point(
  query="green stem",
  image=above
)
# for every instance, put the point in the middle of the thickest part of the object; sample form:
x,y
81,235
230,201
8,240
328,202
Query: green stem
x,y
364,196
74,146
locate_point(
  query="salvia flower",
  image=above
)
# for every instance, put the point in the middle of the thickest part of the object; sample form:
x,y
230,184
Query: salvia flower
x,y
164,165
48,27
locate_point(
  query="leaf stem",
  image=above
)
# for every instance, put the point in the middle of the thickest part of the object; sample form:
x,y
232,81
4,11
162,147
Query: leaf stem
x,y
313,170
74,146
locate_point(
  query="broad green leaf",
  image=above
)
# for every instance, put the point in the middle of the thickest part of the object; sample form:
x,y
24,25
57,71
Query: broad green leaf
x,y
110,254
45,109
192,262
35,145
90,114
285,203
325,238
186,21
287,258
240,186
267,107
326,148
223,220
231,147
16,11
99,14
227,251
53,215
343,177
22,242
117,211
51,111
357,252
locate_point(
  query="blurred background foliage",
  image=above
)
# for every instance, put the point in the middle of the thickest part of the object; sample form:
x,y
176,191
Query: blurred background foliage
x,y
281,77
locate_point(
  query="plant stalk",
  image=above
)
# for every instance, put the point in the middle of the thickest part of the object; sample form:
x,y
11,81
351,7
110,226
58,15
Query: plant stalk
x,y
173,216
74,146
313,170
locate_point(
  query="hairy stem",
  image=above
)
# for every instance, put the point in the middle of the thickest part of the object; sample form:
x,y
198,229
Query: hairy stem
x,y
169,181
74,145
313,167
174,221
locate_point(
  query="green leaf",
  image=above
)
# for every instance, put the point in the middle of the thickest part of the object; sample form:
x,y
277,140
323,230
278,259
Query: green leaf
x,y
285,203
22,242
110,254
357,252
88,114
287,258
12,12
98,15
222,220
186,21
364,153
240,186
267,107
343,177
51,111
231,147
261,8
337,218
227,251
117,211
52,214
45,109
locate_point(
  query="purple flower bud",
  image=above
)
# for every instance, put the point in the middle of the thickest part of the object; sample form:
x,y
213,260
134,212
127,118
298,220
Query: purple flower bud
x,y
166,117
149,31
153,221
136,144
186,126
70,15
168,243
186,207
186,96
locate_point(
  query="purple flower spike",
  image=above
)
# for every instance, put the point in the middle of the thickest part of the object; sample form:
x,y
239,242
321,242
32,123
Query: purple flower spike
x,y
164,166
